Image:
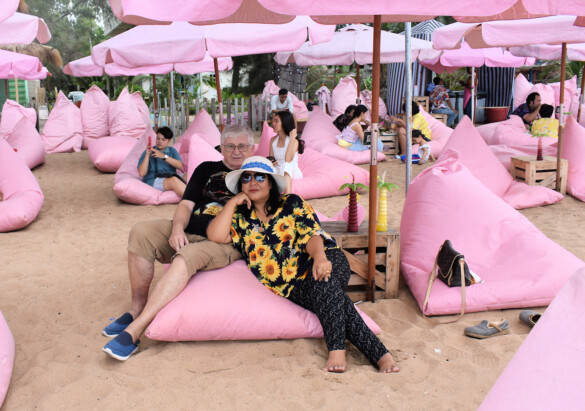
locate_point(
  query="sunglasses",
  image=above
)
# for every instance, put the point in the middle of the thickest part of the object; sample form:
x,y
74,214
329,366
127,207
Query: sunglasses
x,y
245,178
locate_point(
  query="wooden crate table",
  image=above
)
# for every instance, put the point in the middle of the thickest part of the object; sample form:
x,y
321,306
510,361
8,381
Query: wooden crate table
x,y
355,247
543,173
390,138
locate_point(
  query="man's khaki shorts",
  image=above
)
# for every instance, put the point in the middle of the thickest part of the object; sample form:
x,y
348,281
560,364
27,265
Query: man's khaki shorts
x,y
150,240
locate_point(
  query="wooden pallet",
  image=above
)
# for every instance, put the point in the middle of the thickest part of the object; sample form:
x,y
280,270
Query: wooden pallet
x,y
543,173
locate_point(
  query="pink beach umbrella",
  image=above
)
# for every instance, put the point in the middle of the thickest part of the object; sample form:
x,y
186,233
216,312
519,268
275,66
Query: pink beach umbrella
x,y
16,65
7,9
24,29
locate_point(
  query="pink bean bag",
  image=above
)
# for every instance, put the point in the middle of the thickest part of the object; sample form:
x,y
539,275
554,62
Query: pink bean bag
x,y
22,195
12,112
504,153
142,108
128,184
512,132
488,131
550,93
440,134
520,266
27,143
547,93
299,108
570,92
474,154
231,304
125,118
322,175
521,90
63,131
572,148
204,126
6,357
94,115
574,109
345,94
366,96
320,134
196,151
108,153
557,376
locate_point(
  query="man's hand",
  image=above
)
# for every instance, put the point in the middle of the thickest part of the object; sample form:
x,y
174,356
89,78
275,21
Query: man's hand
x,y
178,239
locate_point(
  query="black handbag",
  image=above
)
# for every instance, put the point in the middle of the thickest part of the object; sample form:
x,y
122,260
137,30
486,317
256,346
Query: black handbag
x,y
452,270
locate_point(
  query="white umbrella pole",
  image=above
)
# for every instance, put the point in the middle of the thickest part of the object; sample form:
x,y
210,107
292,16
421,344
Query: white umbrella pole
x,y
408,102
473,102
173,101
581,97
562,116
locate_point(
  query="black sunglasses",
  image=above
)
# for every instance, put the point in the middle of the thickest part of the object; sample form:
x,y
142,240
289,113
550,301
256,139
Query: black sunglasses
x,y
245,178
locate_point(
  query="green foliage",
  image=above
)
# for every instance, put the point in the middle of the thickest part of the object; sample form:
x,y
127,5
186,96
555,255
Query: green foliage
x,y
368,83
353,186
387,185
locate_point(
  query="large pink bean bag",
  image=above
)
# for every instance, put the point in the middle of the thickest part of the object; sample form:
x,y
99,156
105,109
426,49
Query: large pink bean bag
x,y
125,118
299,108
196,151
345,94
108,153
521,90
204,126
366,96
128,184
546,373
504,153
574,109
142,108
512,132
320,134
231,304
12,112
322,175
572,148
63,131
549,93
570,92
94,115
474,154
6,357
27,143
520,266
440,134
22,195
488,131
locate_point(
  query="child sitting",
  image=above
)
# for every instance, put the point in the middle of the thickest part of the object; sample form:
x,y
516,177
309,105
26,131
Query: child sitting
x,y
545,126
424,150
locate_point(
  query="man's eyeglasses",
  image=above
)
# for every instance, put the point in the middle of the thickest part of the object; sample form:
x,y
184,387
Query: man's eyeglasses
x,y
231,147
245,178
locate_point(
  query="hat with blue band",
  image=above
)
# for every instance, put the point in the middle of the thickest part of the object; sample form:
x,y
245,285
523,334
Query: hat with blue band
x,y
256,164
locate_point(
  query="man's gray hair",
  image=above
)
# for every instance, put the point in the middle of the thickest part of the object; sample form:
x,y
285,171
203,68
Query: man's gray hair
x,y
235,131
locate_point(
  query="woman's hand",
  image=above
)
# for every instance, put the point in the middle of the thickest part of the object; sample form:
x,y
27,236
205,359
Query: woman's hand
x,y
242,198
293,133
321,269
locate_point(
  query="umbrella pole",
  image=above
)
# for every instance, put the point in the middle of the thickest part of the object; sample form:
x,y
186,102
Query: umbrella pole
x,y
562,117
16,89
357,78
581,96
155,102
473,102
408,102
173,120
218,88
374,160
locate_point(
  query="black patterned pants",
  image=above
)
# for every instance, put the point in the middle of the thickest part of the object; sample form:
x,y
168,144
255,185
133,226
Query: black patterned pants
x,y
335,310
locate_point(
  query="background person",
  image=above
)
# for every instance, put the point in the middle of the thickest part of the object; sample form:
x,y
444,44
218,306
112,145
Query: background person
x,y
546,125
285,148
352,136
530,110
440,101
281,102
418,122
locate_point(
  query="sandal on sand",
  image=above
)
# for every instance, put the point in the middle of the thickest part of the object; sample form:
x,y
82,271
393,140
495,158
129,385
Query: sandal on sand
x,y
529,317
486,329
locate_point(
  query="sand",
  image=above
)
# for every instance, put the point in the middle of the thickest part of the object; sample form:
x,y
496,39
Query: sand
x,y
65,275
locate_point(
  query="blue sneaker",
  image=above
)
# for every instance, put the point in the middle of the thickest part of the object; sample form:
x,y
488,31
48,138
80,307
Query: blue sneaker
x,y
118,325
121,347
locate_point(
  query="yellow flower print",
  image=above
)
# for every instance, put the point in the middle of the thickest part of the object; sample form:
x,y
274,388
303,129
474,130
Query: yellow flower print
x,y
254,260
303,229
270,270
297,211
279,289
263,252
284,224
234,234
278,248
289,269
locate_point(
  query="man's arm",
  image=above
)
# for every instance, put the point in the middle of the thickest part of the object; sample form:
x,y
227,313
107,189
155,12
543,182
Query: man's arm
x,y
530,117
178,238
273,101
289,104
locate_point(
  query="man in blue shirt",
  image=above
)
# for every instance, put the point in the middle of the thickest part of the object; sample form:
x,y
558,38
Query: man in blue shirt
x,y
529,111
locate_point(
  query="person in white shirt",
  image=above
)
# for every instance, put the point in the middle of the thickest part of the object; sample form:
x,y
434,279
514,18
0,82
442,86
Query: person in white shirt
x,y
281,102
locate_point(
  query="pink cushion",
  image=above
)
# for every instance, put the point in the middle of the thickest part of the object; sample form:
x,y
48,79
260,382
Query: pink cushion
x,y
94,115
572,148
440,134
12,112
196,152
27,142
263,148
559,333
22,195
504,153
547,93
320,134
63,132
108,153
141,107
570,91
231,304
128,185
574,109
474,154
6,357
366,97
488,131
520,266
344,94
204,126
512,132
521,90
124,117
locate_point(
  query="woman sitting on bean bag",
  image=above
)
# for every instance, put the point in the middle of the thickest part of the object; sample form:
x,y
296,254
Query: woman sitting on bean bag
x,y
352,136
158,165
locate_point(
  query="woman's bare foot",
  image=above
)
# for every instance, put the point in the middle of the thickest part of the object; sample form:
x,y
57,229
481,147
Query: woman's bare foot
x,y
386,364
336,361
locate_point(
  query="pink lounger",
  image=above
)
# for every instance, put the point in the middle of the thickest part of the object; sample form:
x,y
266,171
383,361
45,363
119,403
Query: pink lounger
x,y
520,266
108,153
63,132
473,153
547,371
6,357
572,149
22,195
231,304
320,134
27,143
94,115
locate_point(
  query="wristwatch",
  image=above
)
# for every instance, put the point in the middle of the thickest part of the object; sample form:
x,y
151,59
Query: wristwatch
x,y
166,156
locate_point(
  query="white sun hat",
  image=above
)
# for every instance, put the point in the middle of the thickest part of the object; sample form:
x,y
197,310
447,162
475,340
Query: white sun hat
x,y
256,164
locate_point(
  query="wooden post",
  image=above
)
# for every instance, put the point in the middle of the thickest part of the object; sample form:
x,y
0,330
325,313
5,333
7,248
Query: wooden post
x,y
213,110
373,162
562,118
188,111
236,110
229,111
357,79
250,124
218,88
197,106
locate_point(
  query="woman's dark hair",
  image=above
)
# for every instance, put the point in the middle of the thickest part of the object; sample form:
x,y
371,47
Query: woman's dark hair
x,y
274,199
415,109
288,124
358,111
166,132
546,111
416,133
350,109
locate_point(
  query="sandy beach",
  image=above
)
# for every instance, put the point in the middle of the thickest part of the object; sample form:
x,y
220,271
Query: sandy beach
x,y
65,275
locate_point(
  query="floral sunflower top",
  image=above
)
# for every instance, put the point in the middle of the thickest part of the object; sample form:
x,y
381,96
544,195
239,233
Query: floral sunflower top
x,y
276,251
